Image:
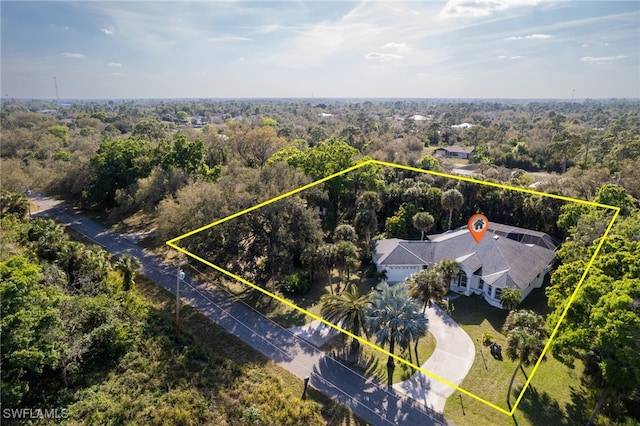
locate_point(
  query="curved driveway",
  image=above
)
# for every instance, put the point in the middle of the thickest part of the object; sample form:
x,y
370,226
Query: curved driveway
x,y
451,361
374,403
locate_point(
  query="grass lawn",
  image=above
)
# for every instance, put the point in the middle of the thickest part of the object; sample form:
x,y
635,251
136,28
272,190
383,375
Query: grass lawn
x,y
378,360
555,390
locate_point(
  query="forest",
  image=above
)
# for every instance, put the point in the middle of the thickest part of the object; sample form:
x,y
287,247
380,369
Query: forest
x,y
167,167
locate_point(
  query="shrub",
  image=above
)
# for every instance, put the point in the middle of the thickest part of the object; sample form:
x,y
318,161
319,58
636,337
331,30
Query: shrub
x,y
487,338
295,284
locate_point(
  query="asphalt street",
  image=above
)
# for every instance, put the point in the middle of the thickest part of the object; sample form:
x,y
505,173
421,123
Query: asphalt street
x,y
371,401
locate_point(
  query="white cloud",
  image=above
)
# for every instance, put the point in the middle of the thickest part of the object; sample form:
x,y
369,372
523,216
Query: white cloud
x,y
398,47
480,8
225,39
531,37
602,59
382,57
510,57
72,55
108,31
114,64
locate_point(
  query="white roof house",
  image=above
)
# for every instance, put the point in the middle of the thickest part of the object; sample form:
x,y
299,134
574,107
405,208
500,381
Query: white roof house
x,y
507,257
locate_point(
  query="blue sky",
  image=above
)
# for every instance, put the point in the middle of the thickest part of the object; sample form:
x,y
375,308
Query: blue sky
x,y
417,49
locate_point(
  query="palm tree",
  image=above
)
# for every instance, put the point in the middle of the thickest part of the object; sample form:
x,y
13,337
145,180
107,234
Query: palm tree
x,y
346,258
451,200
526,333
369,200
367,223
327,254
390,316
71,256
348,308
423,222
12,202
344,232
448,269
311,259
128,265
424,285
510,298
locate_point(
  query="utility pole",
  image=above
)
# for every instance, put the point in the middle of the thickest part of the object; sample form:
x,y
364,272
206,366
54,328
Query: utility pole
x,y
179,276
55,83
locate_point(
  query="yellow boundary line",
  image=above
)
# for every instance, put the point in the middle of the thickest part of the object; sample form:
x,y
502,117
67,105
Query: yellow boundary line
x,y
173,243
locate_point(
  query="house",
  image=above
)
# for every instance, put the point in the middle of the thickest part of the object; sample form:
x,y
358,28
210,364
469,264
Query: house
x,y
507,257
454,151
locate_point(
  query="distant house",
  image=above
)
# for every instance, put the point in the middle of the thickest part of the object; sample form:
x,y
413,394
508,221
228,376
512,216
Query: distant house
x,y
461,126
454,151
507,257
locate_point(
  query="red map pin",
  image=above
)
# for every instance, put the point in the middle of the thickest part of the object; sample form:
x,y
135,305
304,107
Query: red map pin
x,y
478,225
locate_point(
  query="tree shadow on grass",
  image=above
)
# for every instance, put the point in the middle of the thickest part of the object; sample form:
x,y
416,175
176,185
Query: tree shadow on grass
x,y
540,409
579,405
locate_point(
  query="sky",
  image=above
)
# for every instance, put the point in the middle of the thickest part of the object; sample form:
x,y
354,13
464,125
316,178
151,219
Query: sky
x,y
532,49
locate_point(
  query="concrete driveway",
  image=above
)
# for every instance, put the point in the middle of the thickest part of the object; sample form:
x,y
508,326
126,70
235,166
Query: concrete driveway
x,y
451,361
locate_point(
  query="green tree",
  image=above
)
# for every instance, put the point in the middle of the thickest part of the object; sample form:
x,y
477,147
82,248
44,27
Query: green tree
x,y
13,203
566,145
448,269
189,156
613,363
451,200
117,165
600,327
347,309
346,258
425,285
30,328
59,131
128,265
423,222
510,298
366,223
526,334
328,254
390,316
345,232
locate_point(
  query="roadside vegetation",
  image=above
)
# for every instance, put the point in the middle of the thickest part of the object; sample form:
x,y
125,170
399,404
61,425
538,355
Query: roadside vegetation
x,y
80,331
154,168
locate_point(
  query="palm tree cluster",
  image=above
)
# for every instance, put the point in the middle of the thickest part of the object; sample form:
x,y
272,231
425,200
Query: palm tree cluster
x,y
84,267
395,319
388,313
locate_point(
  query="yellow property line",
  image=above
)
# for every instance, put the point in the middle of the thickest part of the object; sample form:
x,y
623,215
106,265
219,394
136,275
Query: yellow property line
x,y
173,243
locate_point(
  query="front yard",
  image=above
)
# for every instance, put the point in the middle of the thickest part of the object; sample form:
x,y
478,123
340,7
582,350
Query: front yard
x,y
552,395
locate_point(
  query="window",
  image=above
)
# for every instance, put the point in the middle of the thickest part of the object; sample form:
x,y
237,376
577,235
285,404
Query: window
x,y
481,284
462,279
489,289
498,291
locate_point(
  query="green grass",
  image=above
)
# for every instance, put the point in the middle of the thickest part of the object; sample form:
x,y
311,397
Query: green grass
x,y
552,396
377,361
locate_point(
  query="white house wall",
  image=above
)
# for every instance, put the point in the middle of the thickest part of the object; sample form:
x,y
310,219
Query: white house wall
x,y
396,274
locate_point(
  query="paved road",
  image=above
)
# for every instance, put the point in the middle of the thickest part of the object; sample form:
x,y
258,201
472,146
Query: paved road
x,y
372,402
